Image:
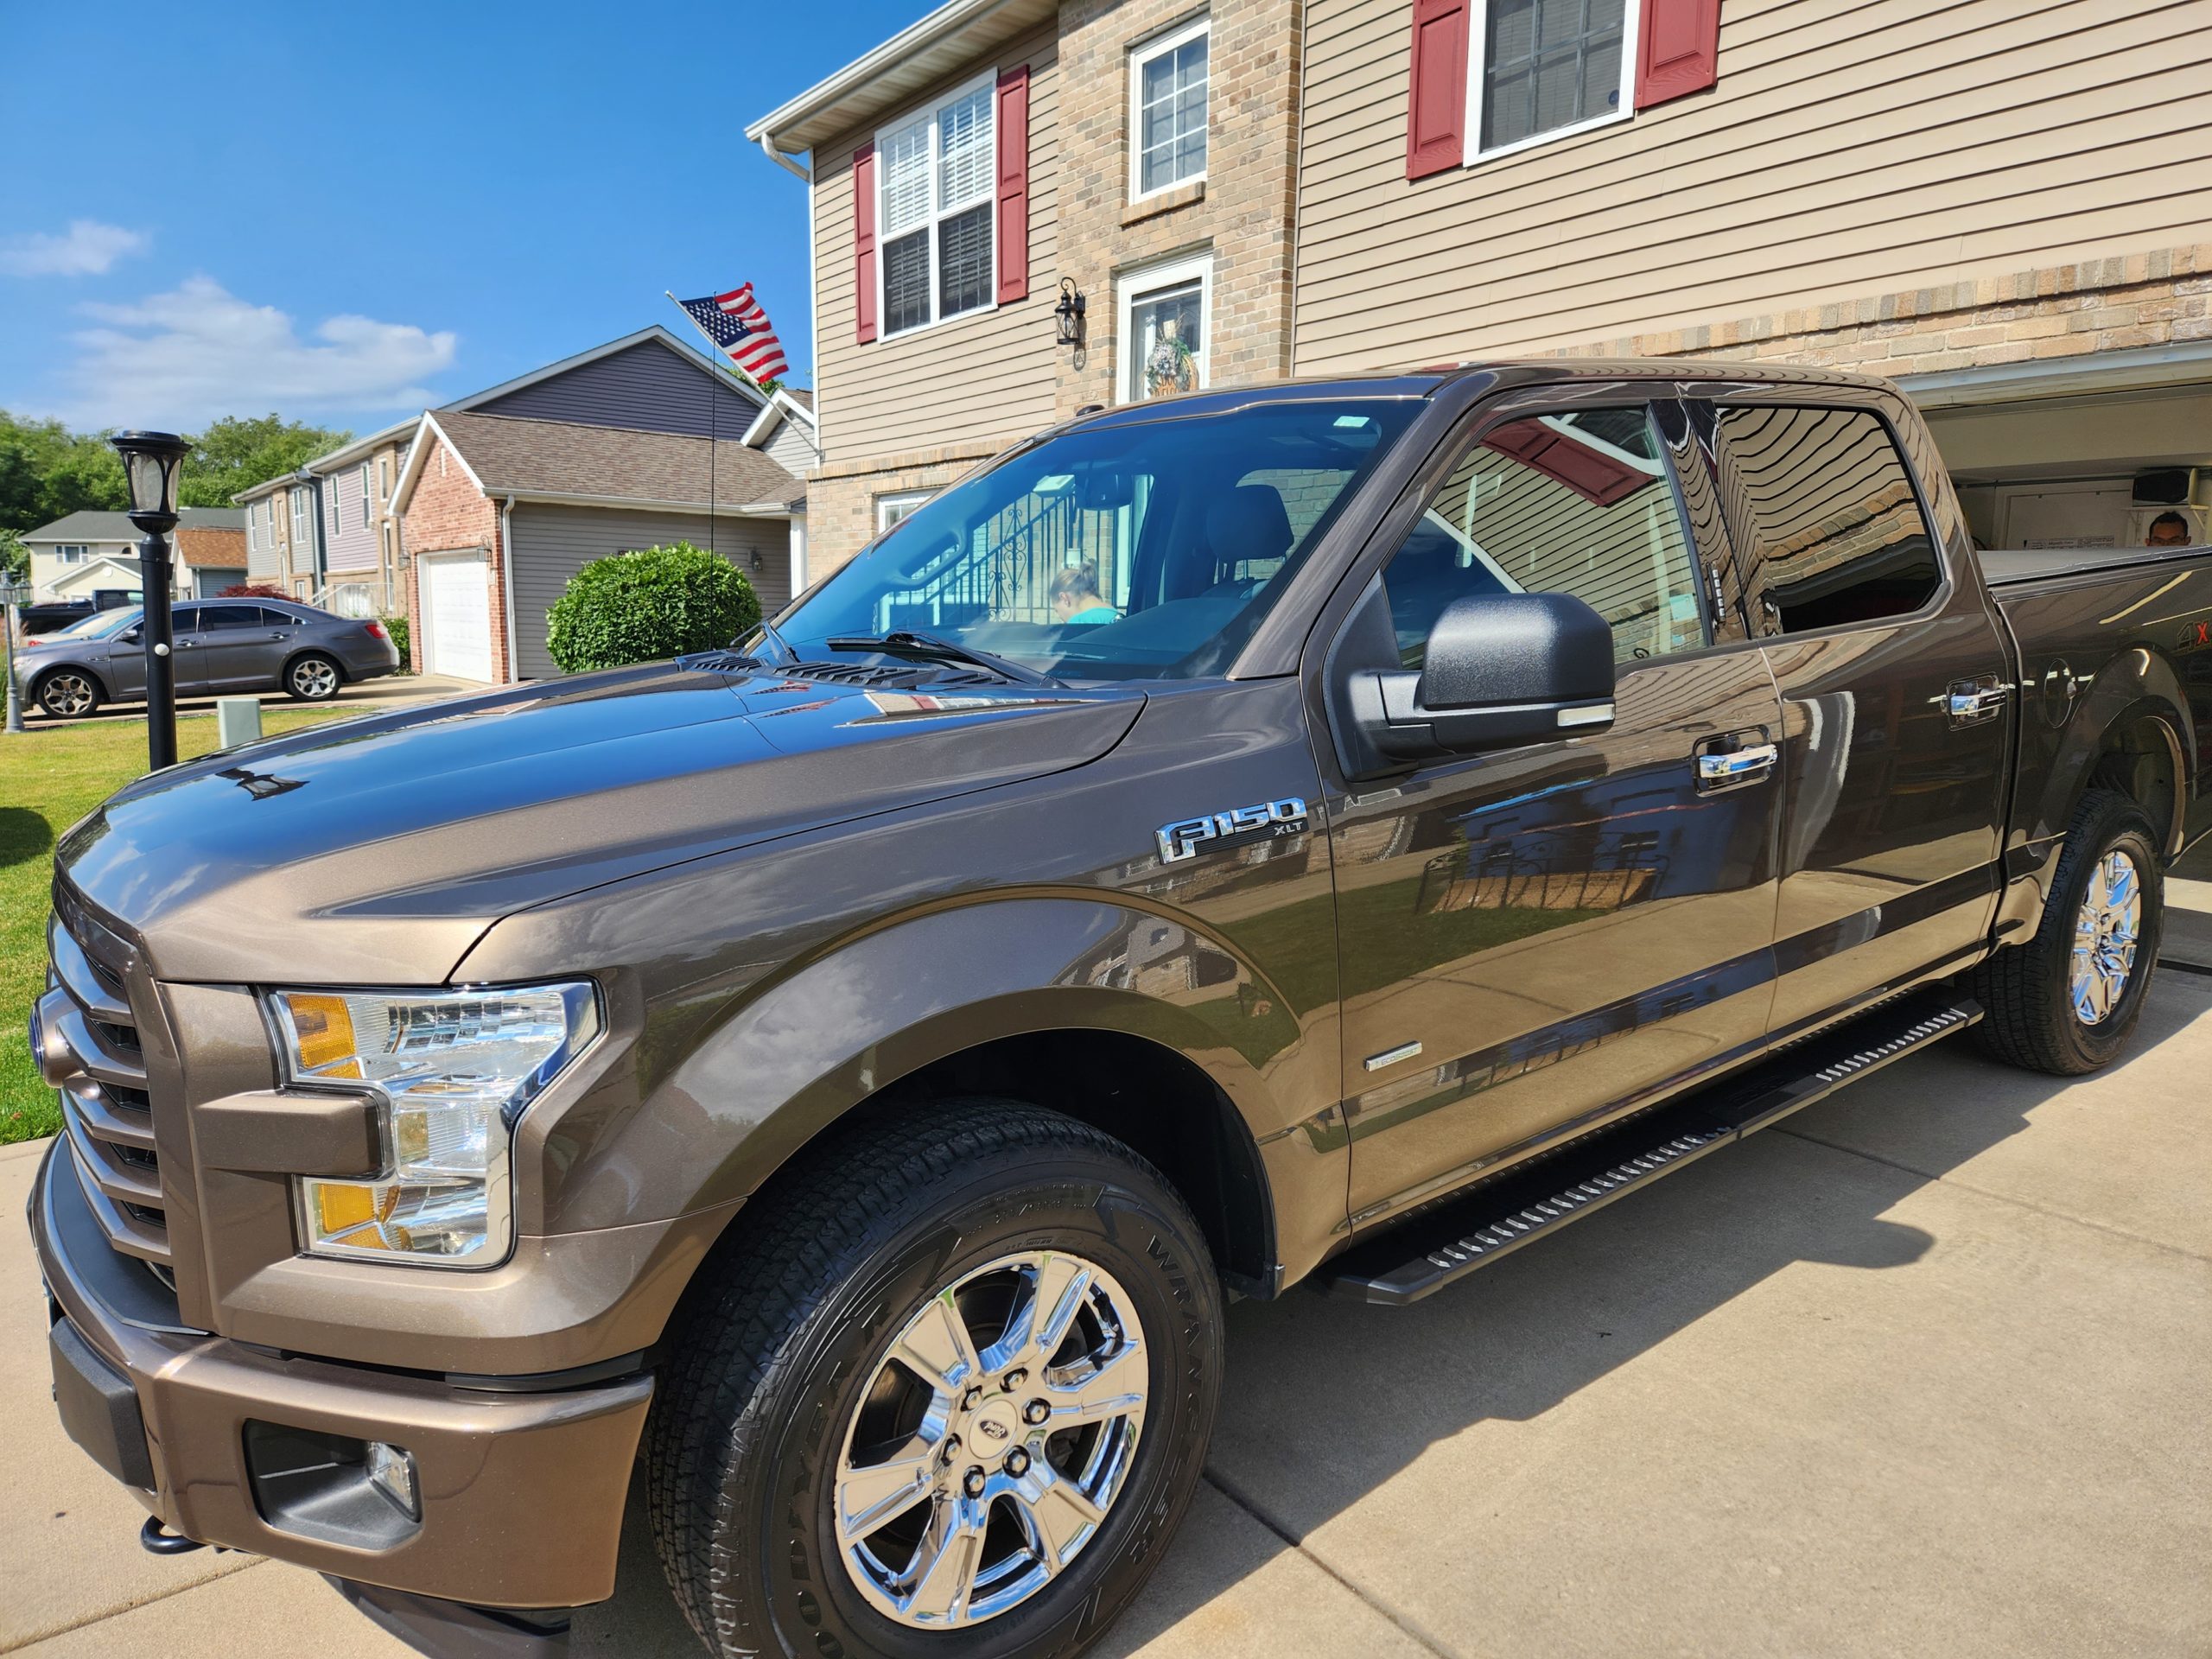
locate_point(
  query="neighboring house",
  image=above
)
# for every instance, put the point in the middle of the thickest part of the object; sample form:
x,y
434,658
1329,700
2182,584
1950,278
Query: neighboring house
x,y
507,495
1139,154
360,533
2005,212
213,555
83,552
283,534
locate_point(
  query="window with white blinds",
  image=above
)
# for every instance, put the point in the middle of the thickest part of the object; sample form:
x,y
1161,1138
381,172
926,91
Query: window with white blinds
x,y
934,196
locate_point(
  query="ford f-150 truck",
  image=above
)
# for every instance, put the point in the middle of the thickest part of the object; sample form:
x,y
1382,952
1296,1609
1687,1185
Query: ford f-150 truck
x,y
1335,831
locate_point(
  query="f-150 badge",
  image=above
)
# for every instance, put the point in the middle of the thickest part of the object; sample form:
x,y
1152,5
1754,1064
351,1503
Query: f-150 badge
x,y
1240,826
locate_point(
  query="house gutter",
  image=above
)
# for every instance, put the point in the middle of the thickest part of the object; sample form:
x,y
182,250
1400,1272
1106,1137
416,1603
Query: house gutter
x,y
803,174
507,587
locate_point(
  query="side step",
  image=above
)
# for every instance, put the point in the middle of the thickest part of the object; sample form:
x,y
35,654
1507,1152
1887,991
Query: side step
x,y
1413,1259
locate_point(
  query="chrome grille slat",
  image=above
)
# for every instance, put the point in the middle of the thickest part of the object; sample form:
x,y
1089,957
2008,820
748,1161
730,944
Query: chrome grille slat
x,y
107,1107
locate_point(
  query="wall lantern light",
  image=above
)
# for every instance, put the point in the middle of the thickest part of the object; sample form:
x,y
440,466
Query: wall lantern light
x,y
1067,316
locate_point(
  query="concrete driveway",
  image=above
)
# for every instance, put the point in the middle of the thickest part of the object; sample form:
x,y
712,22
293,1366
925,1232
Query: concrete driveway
x,y
1925,1369
355,697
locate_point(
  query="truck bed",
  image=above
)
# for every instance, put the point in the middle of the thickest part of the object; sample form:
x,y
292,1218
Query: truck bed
x,y
2012,566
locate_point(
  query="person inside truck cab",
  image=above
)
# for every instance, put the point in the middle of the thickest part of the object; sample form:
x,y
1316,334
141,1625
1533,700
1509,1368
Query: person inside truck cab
x,y
1076,597
2168,529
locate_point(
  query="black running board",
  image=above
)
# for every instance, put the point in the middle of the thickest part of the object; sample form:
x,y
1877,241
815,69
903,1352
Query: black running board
x,y
1418,1257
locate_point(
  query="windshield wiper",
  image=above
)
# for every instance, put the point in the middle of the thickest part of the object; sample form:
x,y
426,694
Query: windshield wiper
x,y
928,648
768,633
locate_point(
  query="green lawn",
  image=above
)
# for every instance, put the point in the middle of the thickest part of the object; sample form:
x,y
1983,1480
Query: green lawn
x,y
50,777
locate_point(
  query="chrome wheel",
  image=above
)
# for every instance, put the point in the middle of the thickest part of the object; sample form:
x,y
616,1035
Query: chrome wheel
x,y
314,679
67,693
993,1440
2105,934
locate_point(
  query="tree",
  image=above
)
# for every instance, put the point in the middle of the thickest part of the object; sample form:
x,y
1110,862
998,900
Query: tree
x,y
47,471
236,453
639,607
15,557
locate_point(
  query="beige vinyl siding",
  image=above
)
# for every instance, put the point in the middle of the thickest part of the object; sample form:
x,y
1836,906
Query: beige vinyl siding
x,y
551,544
978,381
1849,149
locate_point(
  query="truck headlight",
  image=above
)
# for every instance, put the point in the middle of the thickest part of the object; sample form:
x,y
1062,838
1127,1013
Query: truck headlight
x,y
452,1071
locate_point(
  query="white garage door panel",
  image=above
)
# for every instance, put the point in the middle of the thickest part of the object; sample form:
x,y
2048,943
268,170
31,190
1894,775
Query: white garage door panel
x,y
457,603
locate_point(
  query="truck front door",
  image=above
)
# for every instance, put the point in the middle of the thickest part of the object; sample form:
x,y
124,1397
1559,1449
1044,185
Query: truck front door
x,y
1532,940
1896,715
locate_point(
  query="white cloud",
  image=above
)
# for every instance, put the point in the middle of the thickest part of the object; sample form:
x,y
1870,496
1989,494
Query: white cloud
x,y
180,359
87,248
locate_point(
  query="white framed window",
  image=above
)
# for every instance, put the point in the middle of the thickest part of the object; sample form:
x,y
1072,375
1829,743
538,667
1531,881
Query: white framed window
x,y
300,516
890,509
364,495
1167,112
1543,69
1162,318
384,477
937,252
330,488
71,552
252,529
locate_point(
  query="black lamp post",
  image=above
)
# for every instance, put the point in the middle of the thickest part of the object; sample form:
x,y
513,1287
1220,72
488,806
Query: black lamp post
x,y
150,463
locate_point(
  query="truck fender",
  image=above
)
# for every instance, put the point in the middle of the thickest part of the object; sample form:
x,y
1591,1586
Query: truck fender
x,y
2136,689
795,1053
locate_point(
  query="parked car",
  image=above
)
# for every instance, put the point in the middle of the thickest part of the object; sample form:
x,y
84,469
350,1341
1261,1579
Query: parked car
x,y
1339,831
226,645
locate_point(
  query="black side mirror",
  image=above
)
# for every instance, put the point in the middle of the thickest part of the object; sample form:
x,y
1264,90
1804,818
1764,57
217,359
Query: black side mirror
x,y
1500,670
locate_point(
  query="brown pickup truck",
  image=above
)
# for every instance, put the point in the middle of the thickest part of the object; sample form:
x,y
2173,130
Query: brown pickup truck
x,y
1335,832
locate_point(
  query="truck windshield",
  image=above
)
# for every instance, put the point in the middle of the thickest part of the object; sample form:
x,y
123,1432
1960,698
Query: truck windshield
x,y
1141,550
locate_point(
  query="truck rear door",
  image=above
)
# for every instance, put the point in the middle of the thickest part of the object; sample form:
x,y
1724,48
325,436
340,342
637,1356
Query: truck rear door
x,y
1531,938
1896,706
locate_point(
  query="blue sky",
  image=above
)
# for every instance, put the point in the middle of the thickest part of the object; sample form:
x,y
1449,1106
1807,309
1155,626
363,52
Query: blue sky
x,y
341,214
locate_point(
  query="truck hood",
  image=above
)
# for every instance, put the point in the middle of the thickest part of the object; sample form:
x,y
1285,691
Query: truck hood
x,y
377,850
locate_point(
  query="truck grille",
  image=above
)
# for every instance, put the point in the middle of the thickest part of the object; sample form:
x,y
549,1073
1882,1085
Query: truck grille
x,y
106,1109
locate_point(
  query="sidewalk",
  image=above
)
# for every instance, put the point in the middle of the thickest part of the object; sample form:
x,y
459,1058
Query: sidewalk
x,y
1921,1370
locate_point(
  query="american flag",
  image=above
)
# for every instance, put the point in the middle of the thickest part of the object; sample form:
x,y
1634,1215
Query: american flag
x,y
735,323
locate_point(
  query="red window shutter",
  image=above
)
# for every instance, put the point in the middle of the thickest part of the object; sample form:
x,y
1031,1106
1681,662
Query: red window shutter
x,y
1013,183
864,242
1680,51
1436,113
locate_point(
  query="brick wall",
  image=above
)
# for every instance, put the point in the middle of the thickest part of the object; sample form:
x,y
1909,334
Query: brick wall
x,y
2120,303
1239,214
446,513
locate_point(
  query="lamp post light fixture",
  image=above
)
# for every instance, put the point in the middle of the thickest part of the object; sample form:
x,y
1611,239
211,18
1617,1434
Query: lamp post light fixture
x,y
1067,316
150,463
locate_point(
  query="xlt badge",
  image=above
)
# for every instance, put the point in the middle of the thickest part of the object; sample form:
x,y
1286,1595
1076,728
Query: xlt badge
x,y
1237,827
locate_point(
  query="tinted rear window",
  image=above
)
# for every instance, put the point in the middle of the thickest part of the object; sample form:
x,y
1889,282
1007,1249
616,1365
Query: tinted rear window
x,y
1826,501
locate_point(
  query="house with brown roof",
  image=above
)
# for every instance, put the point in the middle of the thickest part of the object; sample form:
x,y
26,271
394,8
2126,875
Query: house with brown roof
x,y
506,494
91,549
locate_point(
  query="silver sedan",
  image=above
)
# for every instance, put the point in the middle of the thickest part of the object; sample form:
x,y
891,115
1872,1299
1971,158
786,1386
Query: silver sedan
x,y
227,645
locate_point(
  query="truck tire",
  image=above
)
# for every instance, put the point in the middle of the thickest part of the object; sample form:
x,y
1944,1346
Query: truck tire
x,y
945,1349
2066,1000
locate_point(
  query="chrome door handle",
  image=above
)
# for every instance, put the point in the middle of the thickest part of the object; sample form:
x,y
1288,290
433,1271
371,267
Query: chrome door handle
x,y
1968,702
1735,766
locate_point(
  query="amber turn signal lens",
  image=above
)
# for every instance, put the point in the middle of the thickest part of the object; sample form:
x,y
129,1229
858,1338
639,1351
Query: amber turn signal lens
x,y
321,1027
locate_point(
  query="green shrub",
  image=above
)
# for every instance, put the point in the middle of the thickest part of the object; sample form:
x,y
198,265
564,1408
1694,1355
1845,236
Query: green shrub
x,y
396,627
639,607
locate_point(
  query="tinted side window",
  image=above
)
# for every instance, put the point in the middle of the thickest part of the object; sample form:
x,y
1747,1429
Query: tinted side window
x,y
1835,532
213,617
1575,503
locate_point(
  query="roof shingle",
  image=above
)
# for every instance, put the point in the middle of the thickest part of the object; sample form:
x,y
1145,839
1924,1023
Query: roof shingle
x,y
526,457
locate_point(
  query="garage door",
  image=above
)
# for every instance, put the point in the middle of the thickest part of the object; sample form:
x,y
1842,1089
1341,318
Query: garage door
x,y
457,605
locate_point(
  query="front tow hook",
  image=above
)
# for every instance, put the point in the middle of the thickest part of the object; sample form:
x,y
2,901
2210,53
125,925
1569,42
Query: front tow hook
x,y
157,1539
